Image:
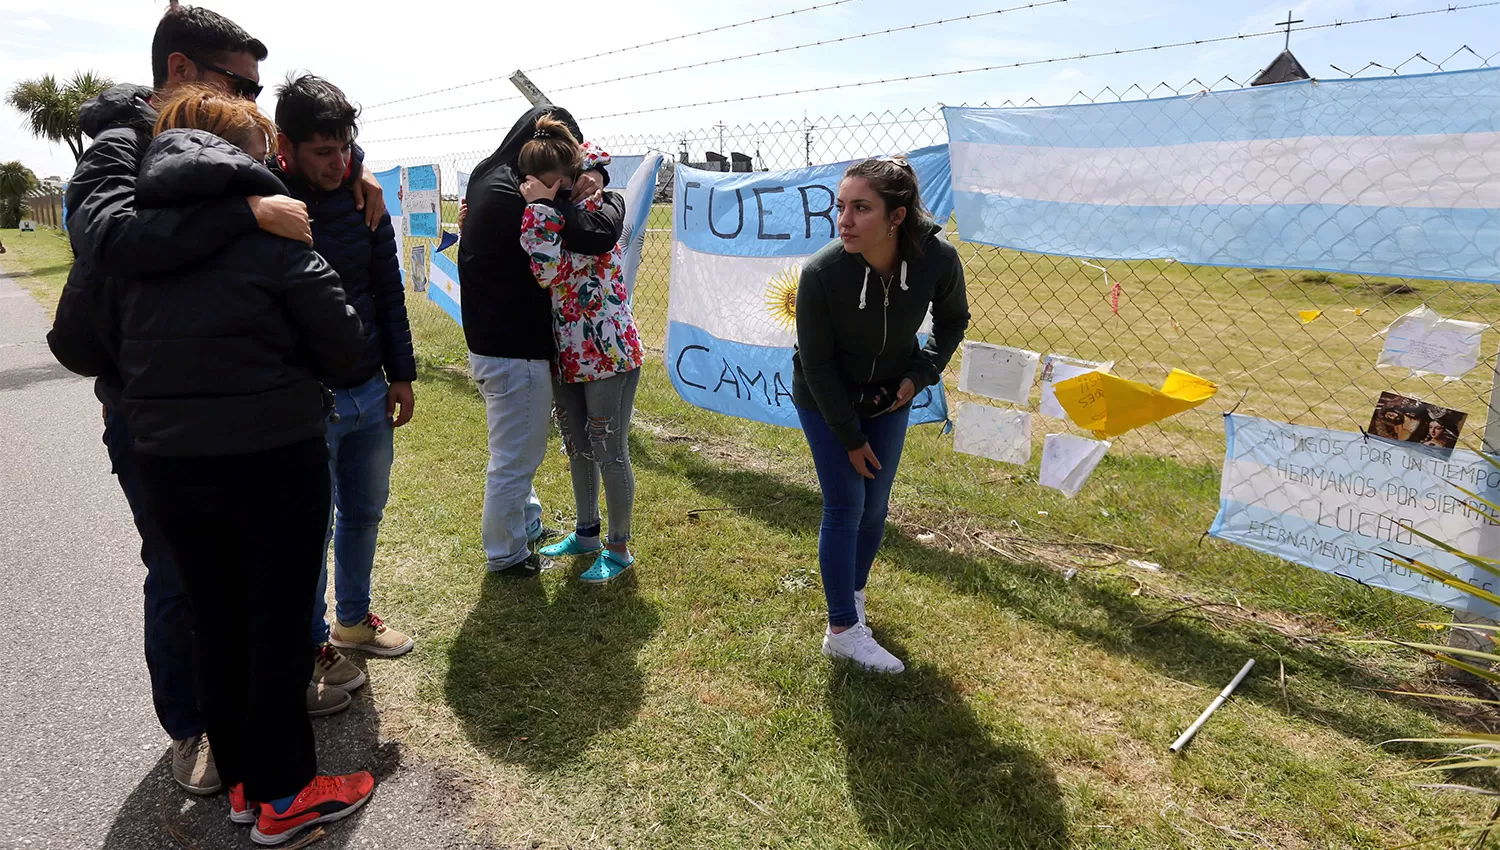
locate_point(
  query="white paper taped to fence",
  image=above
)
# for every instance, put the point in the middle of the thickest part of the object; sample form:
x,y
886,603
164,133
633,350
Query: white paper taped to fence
x,y
1423,341
998,372
1068,461
1056,369
992,432
1338,502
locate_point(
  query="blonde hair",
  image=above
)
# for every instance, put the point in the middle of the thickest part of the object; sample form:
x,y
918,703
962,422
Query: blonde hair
x,y
231,118
552,148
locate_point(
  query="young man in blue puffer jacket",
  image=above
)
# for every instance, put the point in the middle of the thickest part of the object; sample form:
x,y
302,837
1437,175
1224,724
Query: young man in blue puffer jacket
x,y
317,158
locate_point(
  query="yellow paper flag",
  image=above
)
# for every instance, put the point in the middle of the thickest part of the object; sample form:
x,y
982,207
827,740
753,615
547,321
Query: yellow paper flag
x,y
1309,316
1110,405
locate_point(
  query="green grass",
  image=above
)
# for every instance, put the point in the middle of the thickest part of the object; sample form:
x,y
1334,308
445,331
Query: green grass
x,y
691,707
38,262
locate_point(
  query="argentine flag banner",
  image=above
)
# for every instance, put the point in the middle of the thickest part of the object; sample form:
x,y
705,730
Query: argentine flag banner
x,y
637,174
1383,176
738,244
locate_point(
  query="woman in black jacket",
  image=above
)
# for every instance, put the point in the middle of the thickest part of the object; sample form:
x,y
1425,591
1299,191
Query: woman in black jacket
x,y
860,303
220,364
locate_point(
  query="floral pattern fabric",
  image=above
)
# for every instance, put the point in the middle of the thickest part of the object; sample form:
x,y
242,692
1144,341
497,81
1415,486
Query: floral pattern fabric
x,y
591,317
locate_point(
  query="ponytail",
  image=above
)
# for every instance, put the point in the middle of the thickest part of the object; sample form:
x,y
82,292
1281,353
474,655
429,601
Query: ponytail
x,y
551,148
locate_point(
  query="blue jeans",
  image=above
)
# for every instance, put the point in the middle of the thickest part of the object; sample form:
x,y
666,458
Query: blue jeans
x,y
361,448
854,507
518,406
169,627
594,418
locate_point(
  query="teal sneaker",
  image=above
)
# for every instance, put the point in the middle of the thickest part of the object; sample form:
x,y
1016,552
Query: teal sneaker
x,y
607,567
570,547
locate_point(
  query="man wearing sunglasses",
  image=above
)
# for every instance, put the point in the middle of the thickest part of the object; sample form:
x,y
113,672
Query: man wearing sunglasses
x,y
111,238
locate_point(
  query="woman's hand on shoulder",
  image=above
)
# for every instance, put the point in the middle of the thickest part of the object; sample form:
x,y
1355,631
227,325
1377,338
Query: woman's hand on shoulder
x,y
281,215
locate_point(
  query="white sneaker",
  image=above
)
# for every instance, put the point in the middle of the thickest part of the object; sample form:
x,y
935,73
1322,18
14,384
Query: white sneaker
x,y
858,645
859,606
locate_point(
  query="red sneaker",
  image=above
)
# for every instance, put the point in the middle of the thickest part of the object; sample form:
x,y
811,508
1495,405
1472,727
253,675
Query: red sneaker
x,y
240,811
324,800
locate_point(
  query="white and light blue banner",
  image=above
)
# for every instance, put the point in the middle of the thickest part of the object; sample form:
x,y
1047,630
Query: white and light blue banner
x,y
1336,501
1385,175
442,286
635,178
390,187
738,244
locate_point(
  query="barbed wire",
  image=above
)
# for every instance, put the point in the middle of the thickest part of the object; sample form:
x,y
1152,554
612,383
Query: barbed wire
x,y
986,68
618,50
743,56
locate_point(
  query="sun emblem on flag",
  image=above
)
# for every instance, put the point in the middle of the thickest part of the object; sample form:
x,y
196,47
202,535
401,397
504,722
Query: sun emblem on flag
x,y
781,295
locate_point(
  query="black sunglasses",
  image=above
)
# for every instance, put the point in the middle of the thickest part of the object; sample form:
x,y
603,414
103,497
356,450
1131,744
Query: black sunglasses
x,y
243,86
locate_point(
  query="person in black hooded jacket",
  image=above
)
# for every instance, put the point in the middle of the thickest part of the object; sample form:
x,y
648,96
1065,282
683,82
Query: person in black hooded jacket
x,y
508,326
104,226
221,365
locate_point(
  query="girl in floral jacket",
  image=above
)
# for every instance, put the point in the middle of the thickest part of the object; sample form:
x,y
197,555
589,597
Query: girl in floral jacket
x,y
598,350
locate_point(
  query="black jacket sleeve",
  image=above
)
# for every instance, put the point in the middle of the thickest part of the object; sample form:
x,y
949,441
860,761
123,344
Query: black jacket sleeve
x,y
818,354
314,301
390,305
594,233
73,339
108,229
950,318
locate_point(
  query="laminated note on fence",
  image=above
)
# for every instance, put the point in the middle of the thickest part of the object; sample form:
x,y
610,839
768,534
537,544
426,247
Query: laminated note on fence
x,y
1424,341
1109,405
998,372
1068,461
1003,435
1055,369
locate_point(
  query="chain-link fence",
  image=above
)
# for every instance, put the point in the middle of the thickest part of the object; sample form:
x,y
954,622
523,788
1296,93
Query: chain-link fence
x,y
1237,327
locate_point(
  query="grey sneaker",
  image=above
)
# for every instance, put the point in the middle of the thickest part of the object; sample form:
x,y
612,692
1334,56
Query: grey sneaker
x,y
331,668
324,699
193,766
533,566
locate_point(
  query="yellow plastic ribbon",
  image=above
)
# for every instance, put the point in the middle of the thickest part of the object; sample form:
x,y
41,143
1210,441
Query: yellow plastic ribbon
x,y
1110,405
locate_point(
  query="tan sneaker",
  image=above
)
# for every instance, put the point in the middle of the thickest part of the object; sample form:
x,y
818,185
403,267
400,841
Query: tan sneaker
x,y
371,635
193,766
324,699
331,668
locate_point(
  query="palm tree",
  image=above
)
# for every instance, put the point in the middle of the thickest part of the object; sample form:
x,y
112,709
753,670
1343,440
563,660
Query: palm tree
x,y
16,182
51,109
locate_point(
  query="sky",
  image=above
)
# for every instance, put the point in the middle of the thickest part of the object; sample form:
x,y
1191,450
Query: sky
x,y
379,51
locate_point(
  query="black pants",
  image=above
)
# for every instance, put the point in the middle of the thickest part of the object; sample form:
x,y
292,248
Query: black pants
x,y
247,532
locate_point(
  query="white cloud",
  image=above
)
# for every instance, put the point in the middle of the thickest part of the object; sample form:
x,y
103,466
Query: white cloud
x,y
32,24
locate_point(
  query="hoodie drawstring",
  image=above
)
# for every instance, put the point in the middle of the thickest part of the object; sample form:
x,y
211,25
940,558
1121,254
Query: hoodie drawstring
x,y
865,288
903,276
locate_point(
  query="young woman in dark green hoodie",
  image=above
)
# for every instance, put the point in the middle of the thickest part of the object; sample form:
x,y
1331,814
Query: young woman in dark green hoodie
x,y
860,304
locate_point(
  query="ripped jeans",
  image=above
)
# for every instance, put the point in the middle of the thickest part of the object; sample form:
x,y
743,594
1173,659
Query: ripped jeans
x,y
594,418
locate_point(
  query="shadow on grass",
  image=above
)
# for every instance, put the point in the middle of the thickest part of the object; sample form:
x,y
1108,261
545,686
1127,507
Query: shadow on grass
x,y
1102,613
923,771
534,680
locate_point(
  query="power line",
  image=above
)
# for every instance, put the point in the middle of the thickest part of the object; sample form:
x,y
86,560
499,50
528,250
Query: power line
x,y
1075,57
771,52
619,50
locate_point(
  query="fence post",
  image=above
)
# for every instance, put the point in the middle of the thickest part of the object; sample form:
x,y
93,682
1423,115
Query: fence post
x,y
1459,637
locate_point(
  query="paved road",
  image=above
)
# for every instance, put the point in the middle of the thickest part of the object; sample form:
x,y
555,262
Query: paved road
x,y
82,759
